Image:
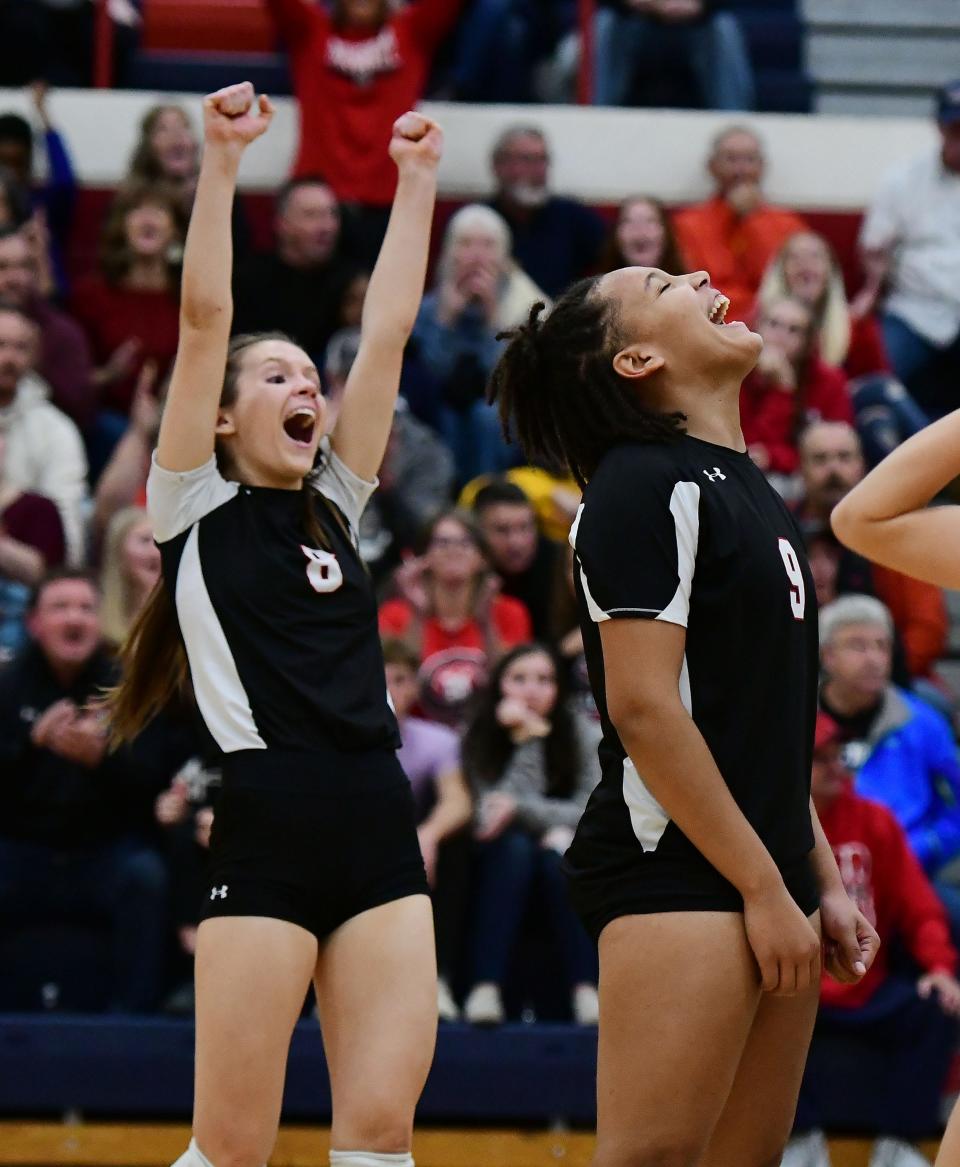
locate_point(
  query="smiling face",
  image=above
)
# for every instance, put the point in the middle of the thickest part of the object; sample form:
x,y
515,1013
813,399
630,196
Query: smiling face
x,y
141,556
270,427
150,231
18,281
641,233
737,158
452,556
174,144
806,267
531,679
65,622
786,325
522,166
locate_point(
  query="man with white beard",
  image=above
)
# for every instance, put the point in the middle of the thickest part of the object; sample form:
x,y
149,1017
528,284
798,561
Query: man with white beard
x,y
555,240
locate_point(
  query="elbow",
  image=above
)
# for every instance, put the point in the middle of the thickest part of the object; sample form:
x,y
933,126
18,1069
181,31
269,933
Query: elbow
x,y
199,312
636,716
845,522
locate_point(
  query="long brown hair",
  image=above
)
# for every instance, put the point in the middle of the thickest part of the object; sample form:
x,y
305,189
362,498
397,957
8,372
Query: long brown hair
x,y
671,259
115,256
145,165
155,672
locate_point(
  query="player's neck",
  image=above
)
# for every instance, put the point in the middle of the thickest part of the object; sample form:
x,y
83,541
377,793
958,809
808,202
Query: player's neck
x,y
716,419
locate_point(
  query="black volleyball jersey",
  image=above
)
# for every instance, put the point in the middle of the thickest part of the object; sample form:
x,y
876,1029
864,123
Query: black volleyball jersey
x,y
692,533
281,636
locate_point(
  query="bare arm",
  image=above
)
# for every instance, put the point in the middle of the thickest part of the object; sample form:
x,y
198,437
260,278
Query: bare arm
x,y
393,298
884,517
20,561
876,268
655,729
232,120
453,809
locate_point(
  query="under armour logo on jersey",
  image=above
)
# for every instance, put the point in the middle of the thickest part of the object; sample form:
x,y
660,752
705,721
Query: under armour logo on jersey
x,y
717,473
323,570
218,893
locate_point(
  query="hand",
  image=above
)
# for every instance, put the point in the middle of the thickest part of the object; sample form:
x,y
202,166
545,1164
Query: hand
x,y
428,850
57,714
120,362
522,722
572,644
39,91
864,303
850,941
171,806
234,117
784,942
417,143
945,986
497,812
744,197
203,825
557,839
145,408
82,740
480,287
412,585
451,302
773,364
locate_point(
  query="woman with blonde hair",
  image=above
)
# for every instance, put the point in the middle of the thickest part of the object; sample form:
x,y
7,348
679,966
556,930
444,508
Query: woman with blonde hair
x,y
128,573
480,291
806,268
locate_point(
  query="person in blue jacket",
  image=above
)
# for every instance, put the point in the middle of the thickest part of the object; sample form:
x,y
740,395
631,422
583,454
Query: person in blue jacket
x,y
902,751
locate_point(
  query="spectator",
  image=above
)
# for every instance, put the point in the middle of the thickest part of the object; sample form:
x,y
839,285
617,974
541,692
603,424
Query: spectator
x,y
44,452
882,1046
555,240
128,573
123,481
299,287
807,269
480,291
64,359
450,612
910,245
790,387
31,543
430,756
72,839
356,69
525,560
55,39
633,35
831,465
902,752
532,763
130,307
168,152
643,237
734,234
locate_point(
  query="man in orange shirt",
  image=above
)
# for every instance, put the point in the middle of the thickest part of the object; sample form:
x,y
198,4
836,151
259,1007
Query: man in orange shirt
x,y
735,234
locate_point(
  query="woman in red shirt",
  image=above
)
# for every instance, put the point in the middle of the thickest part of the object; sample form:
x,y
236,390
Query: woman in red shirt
x,y
450,612
807,268
130,308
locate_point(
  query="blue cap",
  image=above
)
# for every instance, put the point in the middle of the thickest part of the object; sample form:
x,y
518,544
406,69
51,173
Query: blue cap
x,y
948,103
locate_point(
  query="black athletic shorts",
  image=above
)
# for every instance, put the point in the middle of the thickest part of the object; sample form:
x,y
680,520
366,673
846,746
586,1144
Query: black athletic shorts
x,y
609,888
313,838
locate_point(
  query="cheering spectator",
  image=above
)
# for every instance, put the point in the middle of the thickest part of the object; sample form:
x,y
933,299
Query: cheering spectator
x,y
44,451
911,252
902,751
790,387
831,465
450,612
555,240
882,1046
734,234
524,559
130,307
299,287
430,756
73,835
64,357
480,291
356,68
129,572
532,763
807,269
643,236
631,35
31,543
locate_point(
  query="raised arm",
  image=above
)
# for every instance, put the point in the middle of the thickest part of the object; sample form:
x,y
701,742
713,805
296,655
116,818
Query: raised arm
x,y
885,517
393,298
233,118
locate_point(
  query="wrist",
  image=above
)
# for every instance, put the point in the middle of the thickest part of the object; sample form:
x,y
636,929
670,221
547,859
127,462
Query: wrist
x,y
765,882
222,157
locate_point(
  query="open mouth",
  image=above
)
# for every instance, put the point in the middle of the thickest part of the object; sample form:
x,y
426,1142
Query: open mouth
x,y
718,313
299,426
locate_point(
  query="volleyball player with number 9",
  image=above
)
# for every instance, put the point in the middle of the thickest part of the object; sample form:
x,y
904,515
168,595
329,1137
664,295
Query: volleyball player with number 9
x,y
699,864
316,874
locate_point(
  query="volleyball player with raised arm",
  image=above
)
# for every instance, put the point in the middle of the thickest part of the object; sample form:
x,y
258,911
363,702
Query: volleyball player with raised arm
x,y
886,518
698,864
315,868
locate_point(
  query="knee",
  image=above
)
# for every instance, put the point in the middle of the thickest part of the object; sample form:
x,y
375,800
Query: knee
x,y
654,1151
241,1144
381,1126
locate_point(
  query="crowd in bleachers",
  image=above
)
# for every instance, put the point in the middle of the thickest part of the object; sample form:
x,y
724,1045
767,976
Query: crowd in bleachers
x,y
466,543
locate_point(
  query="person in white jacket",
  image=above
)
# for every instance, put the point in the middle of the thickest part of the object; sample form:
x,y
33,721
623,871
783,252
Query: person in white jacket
x,y
44,450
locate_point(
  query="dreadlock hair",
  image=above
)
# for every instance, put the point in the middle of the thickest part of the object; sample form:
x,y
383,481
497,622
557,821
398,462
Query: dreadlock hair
x,y
155,674
558,392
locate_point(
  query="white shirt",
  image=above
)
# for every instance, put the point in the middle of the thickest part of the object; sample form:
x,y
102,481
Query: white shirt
x,y
916,215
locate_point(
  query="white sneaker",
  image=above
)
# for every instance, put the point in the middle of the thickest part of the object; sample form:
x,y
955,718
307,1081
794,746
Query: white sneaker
x,y
586,1005
809,1150
484,1005
889,1152
446,1006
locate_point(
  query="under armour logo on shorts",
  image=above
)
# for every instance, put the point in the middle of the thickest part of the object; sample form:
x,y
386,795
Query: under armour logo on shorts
x,y
717,473
218,893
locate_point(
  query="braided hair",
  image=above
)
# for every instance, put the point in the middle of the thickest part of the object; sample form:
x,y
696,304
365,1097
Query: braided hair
x,y
558,392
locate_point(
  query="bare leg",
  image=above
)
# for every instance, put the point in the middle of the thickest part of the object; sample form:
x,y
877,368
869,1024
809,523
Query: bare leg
x,y
949,1155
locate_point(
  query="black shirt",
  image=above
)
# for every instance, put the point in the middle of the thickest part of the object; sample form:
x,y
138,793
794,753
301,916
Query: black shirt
x,y
557,243
691,533
282,637
534,587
